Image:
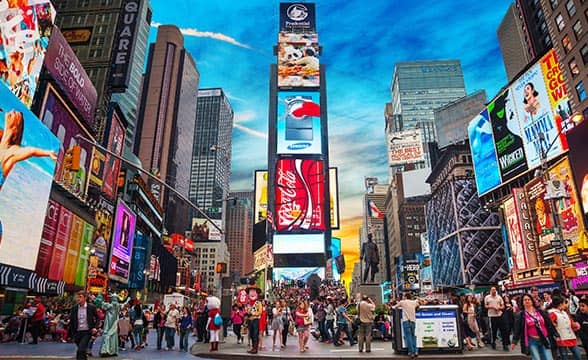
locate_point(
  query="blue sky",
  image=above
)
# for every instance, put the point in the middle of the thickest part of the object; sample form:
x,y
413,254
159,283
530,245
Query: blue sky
x,y
232,44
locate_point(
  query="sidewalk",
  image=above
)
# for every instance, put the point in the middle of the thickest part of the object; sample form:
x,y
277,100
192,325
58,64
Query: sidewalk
x,y
319,351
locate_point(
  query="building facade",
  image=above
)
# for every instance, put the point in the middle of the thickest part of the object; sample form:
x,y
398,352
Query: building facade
x,y
207,255
239,232
166,122
451,120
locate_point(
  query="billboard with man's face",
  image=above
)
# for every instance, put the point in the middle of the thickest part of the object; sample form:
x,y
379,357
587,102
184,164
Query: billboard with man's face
x,y
27,163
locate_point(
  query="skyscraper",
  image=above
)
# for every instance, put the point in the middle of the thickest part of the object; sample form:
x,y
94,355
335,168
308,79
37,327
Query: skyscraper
x,y
211,158
166,121
91,28
239,232
420,87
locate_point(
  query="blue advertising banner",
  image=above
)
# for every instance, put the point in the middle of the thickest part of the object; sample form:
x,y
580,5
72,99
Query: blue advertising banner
x,y
483,153
27,163
137,275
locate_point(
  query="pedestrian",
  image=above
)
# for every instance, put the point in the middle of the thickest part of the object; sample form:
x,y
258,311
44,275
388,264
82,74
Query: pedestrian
x,y
124,329
303,322
171,324
185,328
409,308
237,318
159,324
574,303
495,305
582,319
138,322
565,327
83,324
534,329
343,321
37,320
321,318
507,321
330,320
469,308
365,312
286,321
277,325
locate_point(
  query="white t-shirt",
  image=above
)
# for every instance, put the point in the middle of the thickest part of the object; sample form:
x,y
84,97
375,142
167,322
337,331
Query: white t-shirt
x,y
494,301
172,318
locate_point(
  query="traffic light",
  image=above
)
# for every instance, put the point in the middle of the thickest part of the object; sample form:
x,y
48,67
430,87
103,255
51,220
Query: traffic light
x,y
71,160
221,268
570,272
556,274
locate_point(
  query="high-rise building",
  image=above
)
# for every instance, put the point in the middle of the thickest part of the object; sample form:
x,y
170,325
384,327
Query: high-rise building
x,y
451,120
568,25
522,36
91,28
211,157
417,89
166,121
208,254
239,232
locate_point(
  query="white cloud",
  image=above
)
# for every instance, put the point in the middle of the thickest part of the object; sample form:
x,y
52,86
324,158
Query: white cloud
x,y
208,34
250,131
244,116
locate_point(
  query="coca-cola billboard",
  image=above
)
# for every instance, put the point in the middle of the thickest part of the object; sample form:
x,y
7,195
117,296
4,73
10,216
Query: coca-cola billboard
x,y
300,195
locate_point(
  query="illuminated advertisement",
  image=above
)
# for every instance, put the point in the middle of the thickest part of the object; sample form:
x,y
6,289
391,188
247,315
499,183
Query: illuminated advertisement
x,y
531,98
411,270
556,89
122,243
335,252
507,136
436,328
97,167
102,235
137,276
334,197
85,245
297,38
526,224
202,230
263,257
57,266
300,195
515,238
116,140
578,150
299,244
78,36
27,159
24,38
48,238
299,123
568,208
298,65
297,273
405,147
260,211
542,216
483,153
62,122
73,248
581,281
297,18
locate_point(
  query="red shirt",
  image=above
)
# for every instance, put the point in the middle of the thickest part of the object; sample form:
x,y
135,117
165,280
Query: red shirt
x,y
39,314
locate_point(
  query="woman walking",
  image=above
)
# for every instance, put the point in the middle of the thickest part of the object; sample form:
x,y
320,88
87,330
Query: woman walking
x,y
534,330
237,318
302,325
286,321
469,308
277,325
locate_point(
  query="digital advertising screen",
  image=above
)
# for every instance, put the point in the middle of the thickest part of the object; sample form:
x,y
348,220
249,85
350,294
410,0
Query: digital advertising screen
x,y
116,140
297,273
299,244
202,230
298,65
300,195
260,210
24,38
334,197
122,243
25,183
73,250
483,153
516,242
137,276
57,266
86,243
335,252
62,122
298,127
405,147
48,238
577,155
542,216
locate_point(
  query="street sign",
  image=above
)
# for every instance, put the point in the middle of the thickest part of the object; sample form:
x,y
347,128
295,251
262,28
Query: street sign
x,y
568,242
560,250
214,210
556,243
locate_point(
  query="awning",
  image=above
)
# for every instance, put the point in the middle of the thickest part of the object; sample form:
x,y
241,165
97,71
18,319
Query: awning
x,y
26,279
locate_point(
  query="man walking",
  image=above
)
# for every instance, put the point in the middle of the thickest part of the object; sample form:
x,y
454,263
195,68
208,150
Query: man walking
x,y
495,305
82,325
365,311
37,320
409,308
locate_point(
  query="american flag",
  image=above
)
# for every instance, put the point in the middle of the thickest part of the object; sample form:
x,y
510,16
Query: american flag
x,y
270,219
373,210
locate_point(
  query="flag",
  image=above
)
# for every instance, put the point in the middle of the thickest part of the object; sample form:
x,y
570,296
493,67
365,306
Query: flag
x,y
270,219
373,210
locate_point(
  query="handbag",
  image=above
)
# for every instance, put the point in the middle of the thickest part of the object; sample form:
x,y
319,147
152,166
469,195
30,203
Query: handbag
x,y
307,321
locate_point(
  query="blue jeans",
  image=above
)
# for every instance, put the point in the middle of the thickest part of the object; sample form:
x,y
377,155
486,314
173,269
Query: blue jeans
x,y
330,328
343,327
538,351
323,330
410,337
160,333
170,334
184,333
137,334
563,352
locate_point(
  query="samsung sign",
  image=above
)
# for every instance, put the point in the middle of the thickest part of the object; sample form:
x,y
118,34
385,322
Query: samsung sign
x,y
124,45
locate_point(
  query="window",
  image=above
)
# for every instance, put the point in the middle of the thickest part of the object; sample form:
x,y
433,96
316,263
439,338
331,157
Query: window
x,y
95,53
553,4
581,91
559,22
578,29
574,67
566,43
571,8
98,41
584,53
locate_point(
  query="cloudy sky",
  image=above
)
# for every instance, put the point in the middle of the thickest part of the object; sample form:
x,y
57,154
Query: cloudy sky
x,y
232,44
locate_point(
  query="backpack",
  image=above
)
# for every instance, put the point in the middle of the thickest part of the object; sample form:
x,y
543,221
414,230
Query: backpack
x,y
218,320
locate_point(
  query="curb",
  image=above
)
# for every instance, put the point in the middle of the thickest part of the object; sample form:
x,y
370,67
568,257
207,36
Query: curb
x,y
238,356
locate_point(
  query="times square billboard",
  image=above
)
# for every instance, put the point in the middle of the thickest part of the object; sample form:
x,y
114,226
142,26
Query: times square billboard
x,y
505,136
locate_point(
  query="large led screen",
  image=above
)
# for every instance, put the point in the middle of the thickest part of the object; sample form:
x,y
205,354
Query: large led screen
x,y
483,153
298,125
260,210
27,158
116,140
578,150
507,136
297,273
298,65
300,195
334,197
536,117
122,243
299,244
24,37
62,122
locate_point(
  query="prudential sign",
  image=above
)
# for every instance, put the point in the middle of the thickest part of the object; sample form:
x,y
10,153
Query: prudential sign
x,y
297,18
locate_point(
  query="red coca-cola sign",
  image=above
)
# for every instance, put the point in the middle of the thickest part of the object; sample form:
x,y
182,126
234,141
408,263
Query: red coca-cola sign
x,y
300,195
